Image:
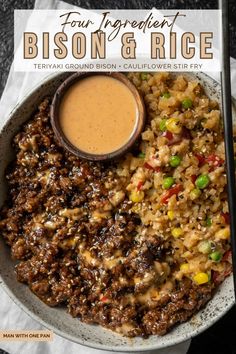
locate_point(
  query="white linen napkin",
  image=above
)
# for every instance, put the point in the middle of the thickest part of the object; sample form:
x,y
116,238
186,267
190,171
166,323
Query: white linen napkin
x,y
12,317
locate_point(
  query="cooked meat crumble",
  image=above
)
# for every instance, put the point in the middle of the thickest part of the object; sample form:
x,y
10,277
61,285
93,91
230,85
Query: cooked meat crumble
x,y
110,241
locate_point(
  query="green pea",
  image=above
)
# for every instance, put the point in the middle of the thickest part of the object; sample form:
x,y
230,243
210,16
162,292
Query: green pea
x,y
141,155
175,161
168,182
216,256
144,76
187,103
166,95
202,181
208,221
162,125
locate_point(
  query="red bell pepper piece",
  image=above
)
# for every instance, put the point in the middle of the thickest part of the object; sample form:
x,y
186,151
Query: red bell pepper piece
x,y
227,257
104,299
193,178
176,139
167,134
226,217
172,139
201,159
149,167
146,165
139,186
172,191
214,161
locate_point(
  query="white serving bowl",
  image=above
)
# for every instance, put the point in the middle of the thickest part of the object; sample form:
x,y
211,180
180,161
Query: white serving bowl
x,y
57,319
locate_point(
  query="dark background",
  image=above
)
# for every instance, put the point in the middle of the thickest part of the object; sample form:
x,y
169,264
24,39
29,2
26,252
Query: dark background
x,y
220,338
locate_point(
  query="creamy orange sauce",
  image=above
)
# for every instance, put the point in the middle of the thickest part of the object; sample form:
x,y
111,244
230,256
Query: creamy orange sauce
x,y
98,114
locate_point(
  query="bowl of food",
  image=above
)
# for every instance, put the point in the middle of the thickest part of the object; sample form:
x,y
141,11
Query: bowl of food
x,y
129,254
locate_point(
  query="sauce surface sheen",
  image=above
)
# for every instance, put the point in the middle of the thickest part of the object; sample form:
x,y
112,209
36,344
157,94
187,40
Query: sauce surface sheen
x,y
98,114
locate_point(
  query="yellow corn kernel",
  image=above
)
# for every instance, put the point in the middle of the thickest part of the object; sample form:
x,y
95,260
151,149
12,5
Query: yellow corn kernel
x,y
223,234
184,267
171,214
136,196
136,208
177,232
201,278
195,193
174,125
